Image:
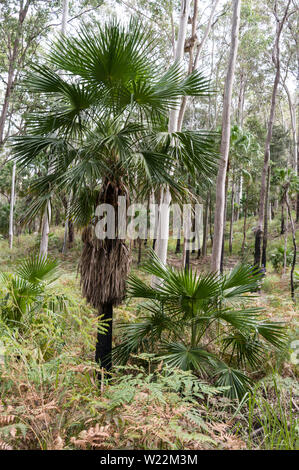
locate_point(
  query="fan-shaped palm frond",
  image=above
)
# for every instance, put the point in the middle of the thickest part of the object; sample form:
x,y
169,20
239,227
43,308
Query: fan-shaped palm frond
x,y
186,357
37,269
235,381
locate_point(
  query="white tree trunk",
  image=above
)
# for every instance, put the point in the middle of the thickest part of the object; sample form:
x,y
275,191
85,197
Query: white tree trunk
x,y
43,251
263,190
225,141
65,11
47,214
162,240
12,204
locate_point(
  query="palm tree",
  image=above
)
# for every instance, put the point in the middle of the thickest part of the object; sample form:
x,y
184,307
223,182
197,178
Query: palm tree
x,y
23,292
106,136
201,323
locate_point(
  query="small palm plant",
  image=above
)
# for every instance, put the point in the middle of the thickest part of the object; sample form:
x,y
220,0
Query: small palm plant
x,y
25,292
201,323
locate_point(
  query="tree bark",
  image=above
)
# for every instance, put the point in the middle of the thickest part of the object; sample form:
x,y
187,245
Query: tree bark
x,y
276,61
225,141
12,204
12,68
265,233
205,226
43,251
193,64
103,355
244,226
294,246
231,218
163,228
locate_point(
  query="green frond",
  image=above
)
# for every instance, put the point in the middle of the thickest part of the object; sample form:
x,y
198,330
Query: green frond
x,y
237,383
36,269
185,357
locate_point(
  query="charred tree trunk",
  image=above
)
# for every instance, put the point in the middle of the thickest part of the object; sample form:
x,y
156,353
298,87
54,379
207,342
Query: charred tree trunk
x,y
71,233
178,246
103,355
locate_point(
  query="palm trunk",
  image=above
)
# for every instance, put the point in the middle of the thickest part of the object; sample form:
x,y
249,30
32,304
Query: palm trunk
x,y
225,141
103,355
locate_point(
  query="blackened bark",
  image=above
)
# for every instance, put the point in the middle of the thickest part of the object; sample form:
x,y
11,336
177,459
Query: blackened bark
x,y
257,247
187,262
139,250
178,246
71,233
104,340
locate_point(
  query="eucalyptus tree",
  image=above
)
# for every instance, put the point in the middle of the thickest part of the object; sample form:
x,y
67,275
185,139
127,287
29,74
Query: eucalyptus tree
x,y
106,135
280,19
225,140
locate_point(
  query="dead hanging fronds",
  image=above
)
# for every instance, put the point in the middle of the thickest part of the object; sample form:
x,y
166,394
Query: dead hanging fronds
x,y
103,267
104,264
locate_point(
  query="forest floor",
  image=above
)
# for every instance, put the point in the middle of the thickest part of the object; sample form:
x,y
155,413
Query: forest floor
x,y
54,402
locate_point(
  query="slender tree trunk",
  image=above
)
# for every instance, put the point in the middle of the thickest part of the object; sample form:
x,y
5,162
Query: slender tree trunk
x,y
43,251
178,246
282,221
71,233
276,61
294,246
231,218
205,226
224,223
65,12
12,204
162,240
265,233
13,58
244,227
139,250
210,219
225,141
193,39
